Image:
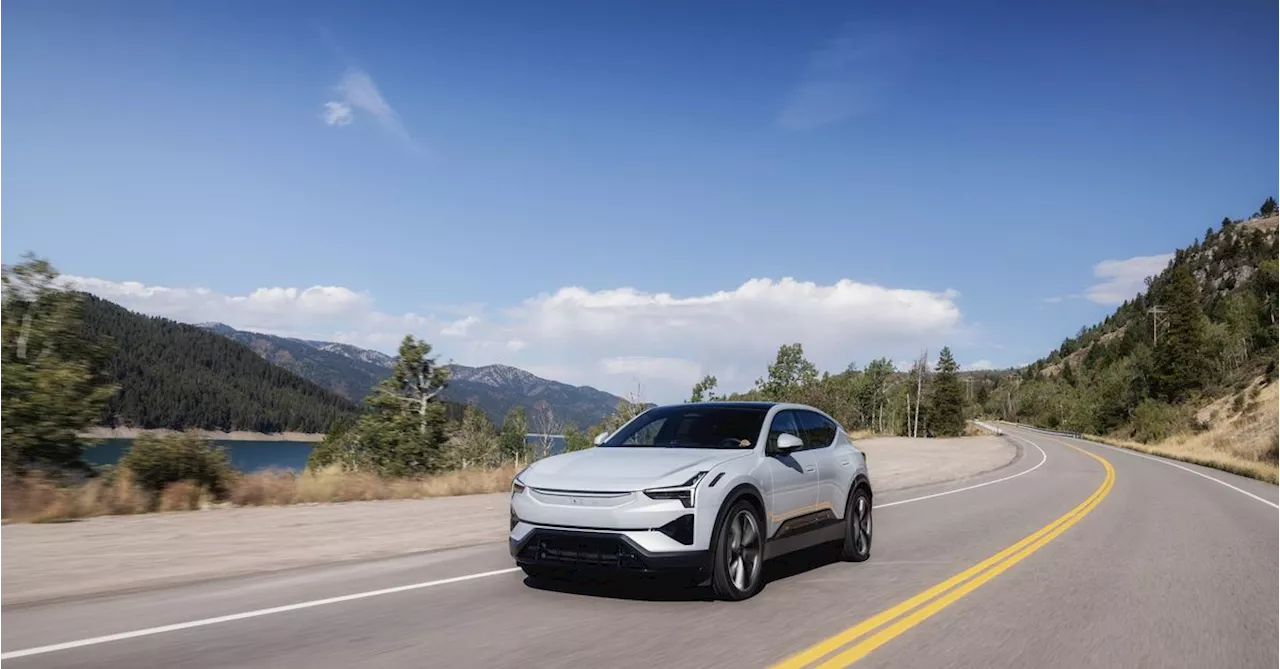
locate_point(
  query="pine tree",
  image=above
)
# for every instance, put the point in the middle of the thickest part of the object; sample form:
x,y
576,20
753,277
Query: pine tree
x,y
403,431
512,439
54,377
1181,355
946,402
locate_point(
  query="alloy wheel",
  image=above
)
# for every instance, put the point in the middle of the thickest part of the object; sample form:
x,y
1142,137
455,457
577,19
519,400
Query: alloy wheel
x,y
744,550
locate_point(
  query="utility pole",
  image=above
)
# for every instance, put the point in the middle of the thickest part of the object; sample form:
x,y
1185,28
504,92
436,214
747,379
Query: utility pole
x,y
1156,312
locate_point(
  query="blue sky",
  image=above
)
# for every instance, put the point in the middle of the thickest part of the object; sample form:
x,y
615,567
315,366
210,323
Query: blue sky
x,y
588,190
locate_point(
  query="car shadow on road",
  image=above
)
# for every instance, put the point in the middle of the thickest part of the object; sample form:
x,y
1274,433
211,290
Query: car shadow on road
x,y
654,588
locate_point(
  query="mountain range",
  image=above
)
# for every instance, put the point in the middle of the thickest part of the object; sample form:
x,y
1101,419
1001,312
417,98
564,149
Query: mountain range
x,y
351,371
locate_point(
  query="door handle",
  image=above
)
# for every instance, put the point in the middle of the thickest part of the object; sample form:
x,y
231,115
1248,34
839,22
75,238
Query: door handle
x,y
811,469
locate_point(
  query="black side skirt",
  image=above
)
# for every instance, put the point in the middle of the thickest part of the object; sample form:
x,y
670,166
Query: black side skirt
x,y
803,532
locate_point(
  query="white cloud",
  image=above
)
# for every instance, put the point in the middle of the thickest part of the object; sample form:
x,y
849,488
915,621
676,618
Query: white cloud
x,y
275,309
459,327
978,365
337,113
358,91
676,370
843,78
1121,280
611,339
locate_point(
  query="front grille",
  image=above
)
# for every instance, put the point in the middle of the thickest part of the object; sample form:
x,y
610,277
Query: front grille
x,y
582,550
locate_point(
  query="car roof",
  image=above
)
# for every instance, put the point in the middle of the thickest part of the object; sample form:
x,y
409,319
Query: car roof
x,y
744,404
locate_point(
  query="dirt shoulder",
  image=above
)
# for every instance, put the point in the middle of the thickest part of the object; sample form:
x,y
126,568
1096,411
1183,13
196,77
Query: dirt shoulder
x,y
117,553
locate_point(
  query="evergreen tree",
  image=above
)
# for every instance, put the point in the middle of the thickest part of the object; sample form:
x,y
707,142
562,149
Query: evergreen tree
x,y
1068,373
403,431
1268,208
512,439
54,381
1181,355
946,402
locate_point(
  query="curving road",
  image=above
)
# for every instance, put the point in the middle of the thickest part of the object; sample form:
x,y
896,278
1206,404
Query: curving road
x,y
1076,554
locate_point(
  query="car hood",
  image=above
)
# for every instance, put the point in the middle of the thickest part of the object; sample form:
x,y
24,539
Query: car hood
x,y
619,469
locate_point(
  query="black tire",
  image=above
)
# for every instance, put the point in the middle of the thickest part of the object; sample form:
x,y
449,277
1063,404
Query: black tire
x,y
737,555
541,573
856,546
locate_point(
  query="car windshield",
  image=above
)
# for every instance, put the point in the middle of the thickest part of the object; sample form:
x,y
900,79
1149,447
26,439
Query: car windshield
x,y
692,427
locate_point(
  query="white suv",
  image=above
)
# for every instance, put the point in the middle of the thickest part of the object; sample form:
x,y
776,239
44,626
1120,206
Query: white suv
x,y
712,488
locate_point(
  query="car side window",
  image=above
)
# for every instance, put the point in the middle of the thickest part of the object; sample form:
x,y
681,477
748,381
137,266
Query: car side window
x,y
817,431
784,422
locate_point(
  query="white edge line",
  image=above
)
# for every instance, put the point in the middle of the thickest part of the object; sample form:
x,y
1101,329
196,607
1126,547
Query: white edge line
x,y
39,650
1182,467
1043,457
92,641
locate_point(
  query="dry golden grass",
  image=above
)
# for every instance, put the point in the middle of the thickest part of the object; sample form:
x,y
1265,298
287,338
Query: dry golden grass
x,y
37,499
1243,442
1198,454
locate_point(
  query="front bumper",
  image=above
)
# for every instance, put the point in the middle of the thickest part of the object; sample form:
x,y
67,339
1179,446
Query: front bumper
x,y
600,551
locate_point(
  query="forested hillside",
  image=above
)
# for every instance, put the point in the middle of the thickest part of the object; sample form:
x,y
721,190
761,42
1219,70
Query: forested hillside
x,y
173,375
1205,328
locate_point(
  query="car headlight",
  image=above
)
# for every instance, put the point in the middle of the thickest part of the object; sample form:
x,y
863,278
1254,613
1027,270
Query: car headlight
x,y
685,492
517,486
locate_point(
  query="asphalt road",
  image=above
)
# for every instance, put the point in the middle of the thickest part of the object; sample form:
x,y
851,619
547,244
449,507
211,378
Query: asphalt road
x,y
1104,560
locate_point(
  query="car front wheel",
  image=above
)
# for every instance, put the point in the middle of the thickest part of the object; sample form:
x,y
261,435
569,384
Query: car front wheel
x,y
857,536
738,556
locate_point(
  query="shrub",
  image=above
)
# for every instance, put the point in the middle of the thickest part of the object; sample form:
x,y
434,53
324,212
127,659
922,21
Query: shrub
x,y
1272,452
182,496
1154,421
156,461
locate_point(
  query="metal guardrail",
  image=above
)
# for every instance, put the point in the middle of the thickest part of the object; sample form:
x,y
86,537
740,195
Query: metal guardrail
x,y
1045,430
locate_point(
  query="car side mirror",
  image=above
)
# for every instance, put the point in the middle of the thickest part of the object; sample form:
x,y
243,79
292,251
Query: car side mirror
x,y
600,438
788,442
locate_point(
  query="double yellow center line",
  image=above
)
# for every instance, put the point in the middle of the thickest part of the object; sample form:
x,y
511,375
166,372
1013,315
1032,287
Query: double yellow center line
x,y
856,642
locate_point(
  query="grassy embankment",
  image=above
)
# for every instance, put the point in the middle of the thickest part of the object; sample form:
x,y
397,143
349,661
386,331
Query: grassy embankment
x,y
1242,437
34,499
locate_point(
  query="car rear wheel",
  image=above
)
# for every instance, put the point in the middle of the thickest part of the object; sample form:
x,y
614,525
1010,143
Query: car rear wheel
x,y
737,570
857,535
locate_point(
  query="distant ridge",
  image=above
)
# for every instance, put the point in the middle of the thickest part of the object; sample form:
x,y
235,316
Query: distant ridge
x,y
352,372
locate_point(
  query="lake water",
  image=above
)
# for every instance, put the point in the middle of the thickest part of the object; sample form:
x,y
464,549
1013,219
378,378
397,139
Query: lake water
x,y
247,456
